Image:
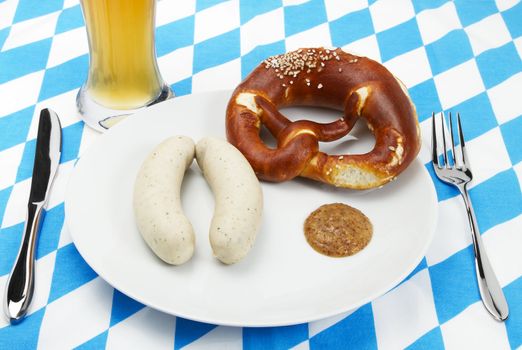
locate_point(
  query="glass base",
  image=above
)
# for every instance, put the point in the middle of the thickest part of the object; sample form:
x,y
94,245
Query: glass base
x,y
102,118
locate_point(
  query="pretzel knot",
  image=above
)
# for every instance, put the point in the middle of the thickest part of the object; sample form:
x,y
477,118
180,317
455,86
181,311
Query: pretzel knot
x,y
357,86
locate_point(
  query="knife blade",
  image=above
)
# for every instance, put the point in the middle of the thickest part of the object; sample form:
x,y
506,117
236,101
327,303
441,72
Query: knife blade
x,y
20,284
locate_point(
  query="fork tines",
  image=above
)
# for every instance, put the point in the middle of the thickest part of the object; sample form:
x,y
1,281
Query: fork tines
x,y
449,159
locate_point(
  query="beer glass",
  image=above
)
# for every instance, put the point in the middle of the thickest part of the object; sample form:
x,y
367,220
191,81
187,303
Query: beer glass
x,y
123,73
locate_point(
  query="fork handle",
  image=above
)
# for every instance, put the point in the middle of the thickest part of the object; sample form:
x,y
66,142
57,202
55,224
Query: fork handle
x,y
490,290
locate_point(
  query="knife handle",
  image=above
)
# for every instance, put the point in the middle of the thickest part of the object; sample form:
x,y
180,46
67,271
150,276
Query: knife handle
x,y
20,285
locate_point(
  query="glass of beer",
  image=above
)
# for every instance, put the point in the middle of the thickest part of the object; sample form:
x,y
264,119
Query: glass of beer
x,y
123,73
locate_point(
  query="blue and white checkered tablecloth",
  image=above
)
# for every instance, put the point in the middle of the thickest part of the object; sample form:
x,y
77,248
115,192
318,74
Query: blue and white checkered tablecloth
x,y
461,55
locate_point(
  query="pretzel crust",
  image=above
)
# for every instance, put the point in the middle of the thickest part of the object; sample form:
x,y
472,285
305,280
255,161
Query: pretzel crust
x,y
357,86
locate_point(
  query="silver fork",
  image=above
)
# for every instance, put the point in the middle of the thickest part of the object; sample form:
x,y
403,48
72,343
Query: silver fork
x,y
455,170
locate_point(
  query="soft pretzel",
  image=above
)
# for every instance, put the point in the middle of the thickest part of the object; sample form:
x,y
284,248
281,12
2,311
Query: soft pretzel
x,y
358,86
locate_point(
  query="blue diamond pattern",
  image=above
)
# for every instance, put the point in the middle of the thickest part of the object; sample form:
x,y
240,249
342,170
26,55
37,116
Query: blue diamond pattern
x,y
123,307
421,266
50,231
64,77
400,39
449,51
216,51
514,323
512,18
28,9
477,116
421,5
10,238
473,11
496,65
24,60
204,4
4,197
70,272
175,35
274,337
444,191
252,59
356,331
98,342
426,99
4,33
70,18
503,206
429,341
25,334
295,22
187,331
511,132
182,87
454,292
25,169
14,128
351,27
71,139
257,8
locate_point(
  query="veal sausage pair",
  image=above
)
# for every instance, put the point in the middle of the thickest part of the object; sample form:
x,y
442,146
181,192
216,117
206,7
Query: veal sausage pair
x,y
157,201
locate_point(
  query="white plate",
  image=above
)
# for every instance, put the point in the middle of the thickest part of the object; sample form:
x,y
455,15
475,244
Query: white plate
x,y
283,280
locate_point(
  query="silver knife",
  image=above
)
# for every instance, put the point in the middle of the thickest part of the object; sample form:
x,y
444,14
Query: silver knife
x,y
20,285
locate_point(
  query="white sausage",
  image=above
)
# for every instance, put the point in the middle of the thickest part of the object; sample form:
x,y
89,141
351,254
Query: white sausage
x,y
157,201
238,198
